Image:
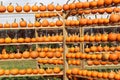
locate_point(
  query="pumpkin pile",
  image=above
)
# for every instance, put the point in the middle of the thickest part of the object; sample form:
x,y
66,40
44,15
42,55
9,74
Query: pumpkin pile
x,y
55,70
74,62
96,63
112,36
32,54
94,74
101,48
51,61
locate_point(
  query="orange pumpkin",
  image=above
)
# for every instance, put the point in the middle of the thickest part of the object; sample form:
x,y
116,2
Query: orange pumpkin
x,y
104,37
99,48
2,40
56,70
113,56
49,71
14,24
23,23
59,23
2,7
18,55
26,7
50,54
12,55
116,9
111,75
72,5
50,7
27,40
58,54
35,71
35,8
78,5
108,2
66,6
37,23
100,3
8,40
7,72
7,25
41,71
20,40
14,71
29,71
86,4
45,23
42,7
22,72
109,10
93,3
10,8
92,38
18,8
93,48
30,24
58,7
112,36
34,54
26,54
114,18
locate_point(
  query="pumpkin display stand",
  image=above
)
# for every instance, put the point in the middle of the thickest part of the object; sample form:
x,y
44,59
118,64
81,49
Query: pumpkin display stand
x,y
76,40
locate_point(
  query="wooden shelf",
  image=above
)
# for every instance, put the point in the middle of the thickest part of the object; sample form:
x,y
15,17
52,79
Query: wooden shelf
x,y
29,59
28,12
27,28
30,75
103,67
31,43
85,77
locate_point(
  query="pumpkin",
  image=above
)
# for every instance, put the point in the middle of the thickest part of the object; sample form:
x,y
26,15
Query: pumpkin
x,y
33,39
14,24
42,7
68,55
58,54
42,54
116,9
83,21
18,8
77,49
72,55
26,7
113,56
117,76
81,38
20,40
12,55
35,8
34,54
109,10
99,48
8,40
118,37
94,74
2,7
105,75
45,49
72,5
50,54
118,48
75,71
26,54
116,1
101,11
103,62
86,4
49,71
100,21
95,21
56,70
7,72
86,37
112,48
94,11
10,8
45,61
50,7
106,20
88,56
111,75
52,24
72,49
58,7
114,18
105,56
1,25
89,62
66,6
112,36
108,2
2,40
41,71
29,71
68,72
104,37
37,23
92,38
99,56
93,56
87,11
106,48
35,71
89,21
83,56
27,40
18,55
98,37
93,48
37,15
87,50
23,23
100,74
84,72
30,24
14,71
78,5
45,23
22,72
59,23
93,3
100,3
7,25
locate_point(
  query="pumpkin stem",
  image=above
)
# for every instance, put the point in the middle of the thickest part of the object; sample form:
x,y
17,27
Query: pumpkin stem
x,y
74,1
58,17
87,0
17,4
27,3
39,20
95,16
15,20
10,3
1,3
79,1
107,16
42,4
51,2
22,19
35,4
29,21
67,2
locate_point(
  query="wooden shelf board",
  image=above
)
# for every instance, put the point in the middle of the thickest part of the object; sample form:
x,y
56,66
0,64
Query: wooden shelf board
x,y
30,43
19,28
30,75
103,67
29,59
